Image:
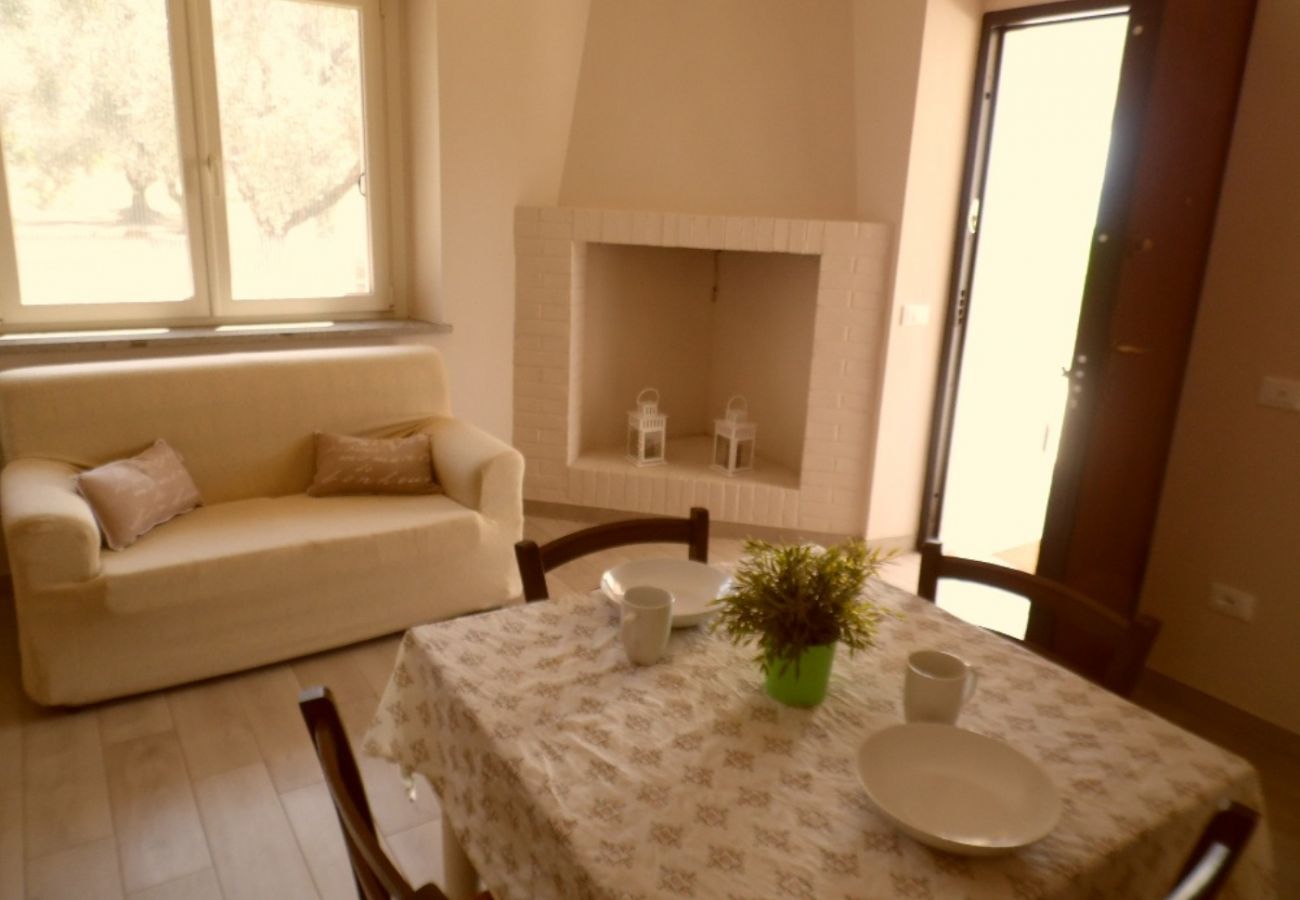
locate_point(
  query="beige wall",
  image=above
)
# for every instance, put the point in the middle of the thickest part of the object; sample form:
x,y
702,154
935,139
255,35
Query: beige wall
x,y
795,109
886,57
1230,511
725,106
932,182
762,346
490,126
647,320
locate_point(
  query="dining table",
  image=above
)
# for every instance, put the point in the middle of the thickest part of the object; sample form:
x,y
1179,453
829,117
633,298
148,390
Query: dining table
x,y
563,771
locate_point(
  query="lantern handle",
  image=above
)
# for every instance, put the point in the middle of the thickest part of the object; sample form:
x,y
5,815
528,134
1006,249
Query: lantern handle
x,y
737,413
645,391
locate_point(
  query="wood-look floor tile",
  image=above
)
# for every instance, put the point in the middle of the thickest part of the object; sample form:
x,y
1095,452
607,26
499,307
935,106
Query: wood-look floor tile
x,y
254,848
271,702
311,814
389,800
65,795
87,870
11,746
154,815
125,720
11,843
200,885
213,728
903,571
557,585
375,659
338,670
418,852
220,731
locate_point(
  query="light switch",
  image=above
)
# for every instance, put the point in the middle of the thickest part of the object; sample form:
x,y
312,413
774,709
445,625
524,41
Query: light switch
x,y
914,314
1279,392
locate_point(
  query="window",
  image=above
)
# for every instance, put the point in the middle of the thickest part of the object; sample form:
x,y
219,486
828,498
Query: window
x,y
182,161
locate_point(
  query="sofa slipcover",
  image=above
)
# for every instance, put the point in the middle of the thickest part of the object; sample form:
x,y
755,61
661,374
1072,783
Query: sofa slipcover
x,y
261,572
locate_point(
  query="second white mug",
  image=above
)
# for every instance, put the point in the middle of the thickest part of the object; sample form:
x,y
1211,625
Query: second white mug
x,y
936,686
645,621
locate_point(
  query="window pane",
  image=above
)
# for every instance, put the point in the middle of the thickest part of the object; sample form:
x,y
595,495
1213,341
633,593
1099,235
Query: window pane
x,y
89,138
289,85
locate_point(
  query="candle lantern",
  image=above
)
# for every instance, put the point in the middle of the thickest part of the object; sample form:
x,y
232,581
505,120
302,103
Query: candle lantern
x,y
647,429
733,438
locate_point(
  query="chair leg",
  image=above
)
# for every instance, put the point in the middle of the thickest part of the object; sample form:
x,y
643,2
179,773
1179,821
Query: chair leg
x,y
528,556
460,879
699,543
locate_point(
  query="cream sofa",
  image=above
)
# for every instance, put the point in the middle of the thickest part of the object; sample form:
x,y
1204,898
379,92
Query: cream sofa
x,y
261,572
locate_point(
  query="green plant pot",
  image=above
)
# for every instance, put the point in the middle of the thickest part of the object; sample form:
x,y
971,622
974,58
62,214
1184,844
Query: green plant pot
x,y
801,683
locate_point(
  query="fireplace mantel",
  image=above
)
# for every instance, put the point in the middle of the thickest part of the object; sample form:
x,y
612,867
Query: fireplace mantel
x,y
826,487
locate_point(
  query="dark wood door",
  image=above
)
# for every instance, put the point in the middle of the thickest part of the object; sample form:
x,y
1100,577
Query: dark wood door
x,y
1174,120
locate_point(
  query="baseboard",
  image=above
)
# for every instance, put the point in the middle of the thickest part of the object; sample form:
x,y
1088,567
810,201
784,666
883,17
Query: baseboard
x,y
1161,690
903,543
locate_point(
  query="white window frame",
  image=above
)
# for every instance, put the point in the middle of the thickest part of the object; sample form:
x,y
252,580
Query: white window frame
x,y
193,64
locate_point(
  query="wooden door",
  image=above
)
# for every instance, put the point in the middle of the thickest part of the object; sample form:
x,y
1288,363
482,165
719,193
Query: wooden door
x,y
1174,122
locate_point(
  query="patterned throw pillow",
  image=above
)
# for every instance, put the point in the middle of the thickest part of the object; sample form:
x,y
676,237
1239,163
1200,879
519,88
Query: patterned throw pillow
x,y
354,465
131,496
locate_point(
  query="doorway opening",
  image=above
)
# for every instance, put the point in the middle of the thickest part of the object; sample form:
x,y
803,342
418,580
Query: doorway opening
x,y
1040,140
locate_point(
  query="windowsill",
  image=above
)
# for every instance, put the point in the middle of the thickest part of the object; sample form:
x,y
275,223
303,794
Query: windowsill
x,y
216,336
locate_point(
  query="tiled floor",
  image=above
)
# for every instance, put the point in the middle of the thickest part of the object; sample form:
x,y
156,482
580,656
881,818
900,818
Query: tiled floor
x,y
211,790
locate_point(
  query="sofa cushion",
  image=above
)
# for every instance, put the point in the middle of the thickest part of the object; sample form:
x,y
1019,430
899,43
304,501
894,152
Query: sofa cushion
x,y
222,552
129,497
359,465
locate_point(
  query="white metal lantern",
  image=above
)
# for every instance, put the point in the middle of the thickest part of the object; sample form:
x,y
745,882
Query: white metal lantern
x,y
733,438
647,430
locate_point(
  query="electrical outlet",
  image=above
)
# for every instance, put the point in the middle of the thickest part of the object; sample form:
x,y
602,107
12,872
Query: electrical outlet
x,y
1232,602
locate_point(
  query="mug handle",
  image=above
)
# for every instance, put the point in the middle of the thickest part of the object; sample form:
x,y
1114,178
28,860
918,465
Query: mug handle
x,y
970,685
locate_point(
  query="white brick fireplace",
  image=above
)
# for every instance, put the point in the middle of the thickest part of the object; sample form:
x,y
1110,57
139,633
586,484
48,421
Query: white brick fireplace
x,y
788,312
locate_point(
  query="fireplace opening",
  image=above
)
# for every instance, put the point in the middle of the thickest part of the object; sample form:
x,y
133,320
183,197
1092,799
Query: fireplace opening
x,y
699,326
789,313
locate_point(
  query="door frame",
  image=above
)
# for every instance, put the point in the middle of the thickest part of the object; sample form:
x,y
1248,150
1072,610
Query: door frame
x,y
1102,273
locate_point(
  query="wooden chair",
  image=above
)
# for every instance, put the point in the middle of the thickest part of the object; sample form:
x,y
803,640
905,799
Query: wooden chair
x,y
535,562
1122,644
1215,853
377,878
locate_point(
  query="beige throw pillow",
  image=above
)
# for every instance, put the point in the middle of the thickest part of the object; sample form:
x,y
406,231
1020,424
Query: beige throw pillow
x,y
131,496
354,465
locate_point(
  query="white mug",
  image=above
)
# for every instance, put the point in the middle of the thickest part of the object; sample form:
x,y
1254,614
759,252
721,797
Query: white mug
x,y
936,687
645,621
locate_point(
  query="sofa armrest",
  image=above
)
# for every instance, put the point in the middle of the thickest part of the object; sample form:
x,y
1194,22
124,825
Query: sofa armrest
x,y
478,470
50,532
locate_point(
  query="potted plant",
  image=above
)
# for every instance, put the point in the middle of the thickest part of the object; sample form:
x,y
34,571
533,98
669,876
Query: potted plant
x,y
797,602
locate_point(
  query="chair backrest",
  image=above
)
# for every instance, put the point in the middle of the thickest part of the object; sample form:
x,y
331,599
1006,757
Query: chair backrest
x,y
1215,854
1125,642
535,562
377,878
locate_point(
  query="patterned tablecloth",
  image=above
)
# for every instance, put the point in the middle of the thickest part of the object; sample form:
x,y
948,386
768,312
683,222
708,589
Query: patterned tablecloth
x,y
569,774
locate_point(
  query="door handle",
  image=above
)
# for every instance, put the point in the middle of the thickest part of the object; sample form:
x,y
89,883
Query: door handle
x,y
1130,349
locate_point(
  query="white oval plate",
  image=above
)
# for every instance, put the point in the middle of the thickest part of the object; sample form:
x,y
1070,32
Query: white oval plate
x,y
695,586
956,790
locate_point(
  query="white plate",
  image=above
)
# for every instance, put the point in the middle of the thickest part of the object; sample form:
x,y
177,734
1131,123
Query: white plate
x,y
695,586
957,790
